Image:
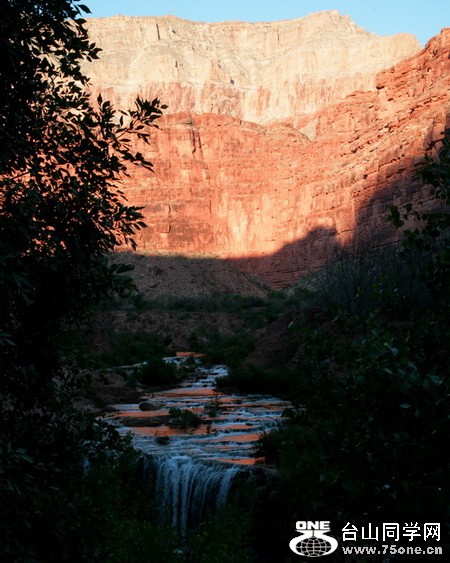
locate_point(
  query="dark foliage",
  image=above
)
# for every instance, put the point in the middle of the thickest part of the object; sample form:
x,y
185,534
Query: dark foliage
x,y
127,348
429,229
183,418
220,348
158,372
368,376
61,214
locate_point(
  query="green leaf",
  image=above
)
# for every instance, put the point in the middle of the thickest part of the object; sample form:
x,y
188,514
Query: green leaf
x,y
437,379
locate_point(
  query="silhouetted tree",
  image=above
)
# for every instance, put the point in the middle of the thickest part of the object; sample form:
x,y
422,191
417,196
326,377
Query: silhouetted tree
x,y
61,214
61,211
429,229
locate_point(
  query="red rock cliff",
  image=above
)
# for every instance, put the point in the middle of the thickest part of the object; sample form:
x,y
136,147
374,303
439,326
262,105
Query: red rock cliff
x,y
275,197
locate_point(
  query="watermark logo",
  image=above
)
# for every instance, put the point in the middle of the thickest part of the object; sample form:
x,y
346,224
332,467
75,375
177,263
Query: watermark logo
x,y
313,541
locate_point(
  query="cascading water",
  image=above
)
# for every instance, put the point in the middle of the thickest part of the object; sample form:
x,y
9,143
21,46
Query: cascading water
x,y
190,489
194,469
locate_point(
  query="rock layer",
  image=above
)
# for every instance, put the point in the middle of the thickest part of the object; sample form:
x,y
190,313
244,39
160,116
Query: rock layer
x,y
276,197
256,72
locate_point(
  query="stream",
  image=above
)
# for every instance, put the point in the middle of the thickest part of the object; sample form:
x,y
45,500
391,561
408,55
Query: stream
x,y
194,469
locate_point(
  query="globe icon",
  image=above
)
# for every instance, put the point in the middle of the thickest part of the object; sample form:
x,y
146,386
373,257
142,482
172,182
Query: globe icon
x,y
313,547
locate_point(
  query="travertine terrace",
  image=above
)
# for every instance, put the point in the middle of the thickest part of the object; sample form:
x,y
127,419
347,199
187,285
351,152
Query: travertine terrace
x,y
281,140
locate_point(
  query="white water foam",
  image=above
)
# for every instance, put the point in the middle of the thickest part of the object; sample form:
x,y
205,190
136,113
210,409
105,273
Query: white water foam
x,y
194,469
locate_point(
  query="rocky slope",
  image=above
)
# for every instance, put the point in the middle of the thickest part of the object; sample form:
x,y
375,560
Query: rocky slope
x,y
164,274
277,197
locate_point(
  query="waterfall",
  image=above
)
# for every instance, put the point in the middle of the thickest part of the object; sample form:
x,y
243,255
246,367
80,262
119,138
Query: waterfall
x,y
193,469
188,489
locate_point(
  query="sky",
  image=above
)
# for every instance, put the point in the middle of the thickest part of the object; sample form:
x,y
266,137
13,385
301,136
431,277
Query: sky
x,y
423,18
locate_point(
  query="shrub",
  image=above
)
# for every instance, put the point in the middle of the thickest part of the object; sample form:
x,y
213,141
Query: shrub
x,y
371,432
183,418
253,378
212,409
163,440
366,280
220,348
158,372
127,348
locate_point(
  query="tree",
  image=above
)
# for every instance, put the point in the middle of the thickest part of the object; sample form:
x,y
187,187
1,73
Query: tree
x,y
428,230
62,213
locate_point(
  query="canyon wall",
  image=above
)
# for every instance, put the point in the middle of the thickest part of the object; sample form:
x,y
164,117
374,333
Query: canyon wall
x,y
276,196
258,72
